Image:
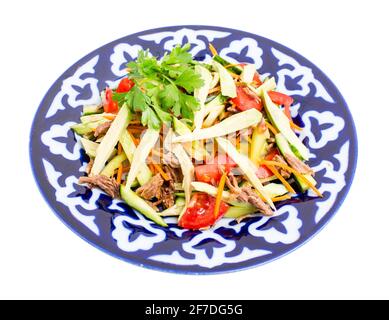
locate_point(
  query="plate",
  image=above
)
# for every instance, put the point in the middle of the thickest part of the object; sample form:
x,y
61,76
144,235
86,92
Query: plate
x,y
57,159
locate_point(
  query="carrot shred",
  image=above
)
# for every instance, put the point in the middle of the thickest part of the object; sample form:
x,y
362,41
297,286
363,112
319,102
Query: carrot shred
x,y
236,76
219,194
287,111
213,50
163,173
271,128
295,126
231,65
213,90
286,167
120,169
281,198
136,141
281,178
110,116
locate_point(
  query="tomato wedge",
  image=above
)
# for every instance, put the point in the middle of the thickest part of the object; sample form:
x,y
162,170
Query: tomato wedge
x,y
200,212
225,161
210,172
282,99
125,85
263,172
110,105
257,78
246,99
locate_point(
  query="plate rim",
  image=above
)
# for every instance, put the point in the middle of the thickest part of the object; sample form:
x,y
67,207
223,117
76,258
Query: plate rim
x,y
353,159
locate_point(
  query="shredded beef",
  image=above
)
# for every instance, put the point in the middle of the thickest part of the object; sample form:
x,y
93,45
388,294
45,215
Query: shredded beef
x,y
298,165
152,189
283,172
170,159
107,184
89,166
246,194
168,196
102,128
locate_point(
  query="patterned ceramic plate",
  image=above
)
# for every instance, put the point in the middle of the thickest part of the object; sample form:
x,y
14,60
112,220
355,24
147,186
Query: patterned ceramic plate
x,y
57,159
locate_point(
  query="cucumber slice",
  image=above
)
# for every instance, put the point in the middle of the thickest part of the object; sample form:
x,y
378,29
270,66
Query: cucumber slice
x,y
227,83
281,122
113,165
285,148
110,139
235,69
92,109
237,211
258,145
88,127
136,202
194,149
129,147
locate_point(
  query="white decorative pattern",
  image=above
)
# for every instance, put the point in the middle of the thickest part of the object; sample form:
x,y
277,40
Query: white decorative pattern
x,y
201,258
327,135
59,148
118,57
192,36
121,234
237,46
292,225
69,86
62,194
306,74
338,178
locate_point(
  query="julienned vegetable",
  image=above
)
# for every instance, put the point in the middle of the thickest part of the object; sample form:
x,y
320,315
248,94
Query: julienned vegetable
x,y
232,124
147,142
110,140
281,122
181,138
144,174
133,200
247,167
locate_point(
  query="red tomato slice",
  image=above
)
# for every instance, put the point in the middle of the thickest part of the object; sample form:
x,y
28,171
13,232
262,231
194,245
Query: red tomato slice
x,y
257,78
200,212
263,172
208,173
110,106
225,161
246,100
125,85
282,99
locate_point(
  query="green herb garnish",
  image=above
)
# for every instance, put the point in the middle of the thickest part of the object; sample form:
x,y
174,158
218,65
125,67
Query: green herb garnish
x,y
162,88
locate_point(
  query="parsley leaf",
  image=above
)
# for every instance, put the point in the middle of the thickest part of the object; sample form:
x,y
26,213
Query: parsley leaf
x,y
178,55
150,119
162,88
169,95
189,80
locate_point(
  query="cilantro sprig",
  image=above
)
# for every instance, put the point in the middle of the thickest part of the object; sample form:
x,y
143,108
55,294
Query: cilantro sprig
x,y
162,88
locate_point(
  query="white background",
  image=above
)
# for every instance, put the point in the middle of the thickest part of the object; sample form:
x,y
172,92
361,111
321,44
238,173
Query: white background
x,y
41,258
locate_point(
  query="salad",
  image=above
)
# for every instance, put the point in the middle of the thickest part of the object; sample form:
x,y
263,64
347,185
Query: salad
x,y
178,137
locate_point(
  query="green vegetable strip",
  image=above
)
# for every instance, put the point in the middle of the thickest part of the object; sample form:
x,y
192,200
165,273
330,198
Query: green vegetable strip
x,y
235,69
136,202
129,147
141,153
110,140
237,212
113,165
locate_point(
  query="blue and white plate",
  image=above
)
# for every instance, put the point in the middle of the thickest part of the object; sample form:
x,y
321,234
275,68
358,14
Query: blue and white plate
x,y
58,161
